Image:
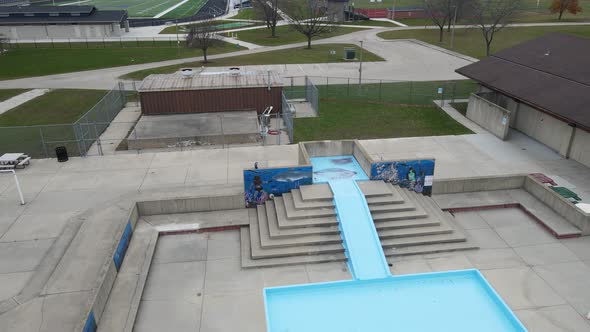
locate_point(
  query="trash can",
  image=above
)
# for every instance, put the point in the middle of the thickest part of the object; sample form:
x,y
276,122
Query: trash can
x,y
61,153
349,54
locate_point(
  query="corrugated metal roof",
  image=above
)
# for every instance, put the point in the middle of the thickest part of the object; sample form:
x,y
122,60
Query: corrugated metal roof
x,y
549,73
47,9
210,80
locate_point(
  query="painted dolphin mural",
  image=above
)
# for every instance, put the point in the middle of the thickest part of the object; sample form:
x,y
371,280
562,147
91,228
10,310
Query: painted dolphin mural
x,y
335,173
291,176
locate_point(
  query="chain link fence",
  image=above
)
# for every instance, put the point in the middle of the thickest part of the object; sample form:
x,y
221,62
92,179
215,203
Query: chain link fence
x,y
40,141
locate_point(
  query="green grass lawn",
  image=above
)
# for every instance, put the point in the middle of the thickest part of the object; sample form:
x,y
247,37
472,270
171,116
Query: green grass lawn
x,y
189,8
135,8
28,62
460,107
9,93
404,93
318,54
285,35
247,14
470,41
218,26
57,108
149,8
340,119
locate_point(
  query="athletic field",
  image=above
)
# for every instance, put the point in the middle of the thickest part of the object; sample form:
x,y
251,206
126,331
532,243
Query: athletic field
x,y
148,8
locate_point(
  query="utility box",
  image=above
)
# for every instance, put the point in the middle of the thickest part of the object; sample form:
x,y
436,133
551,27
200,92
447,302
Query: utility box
x,y
349,54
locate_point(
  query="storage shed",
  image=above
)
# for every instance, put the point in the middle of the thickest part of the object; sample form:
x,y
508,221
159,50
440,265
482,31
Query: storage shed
x,y
189,91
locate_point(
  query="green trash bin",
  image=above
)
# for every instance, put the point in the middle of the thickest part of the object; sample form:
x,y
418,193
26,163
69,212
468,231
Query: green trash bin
x,y
349,54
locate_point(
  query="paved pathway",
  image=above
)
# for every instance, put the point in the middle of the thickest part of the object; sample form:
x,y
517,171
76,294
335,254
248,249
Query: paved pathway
x,y
406,61
17,100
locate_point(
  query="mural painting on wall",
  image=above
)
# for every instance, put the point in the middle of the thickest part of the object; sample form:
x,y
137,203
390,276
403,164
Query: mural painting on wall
x,y
415,175
262,184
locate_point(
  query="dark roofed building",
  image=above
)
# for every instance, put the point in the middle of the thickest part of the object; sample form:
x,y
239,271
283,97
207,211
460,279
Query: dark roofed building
x,y
41,22
540,88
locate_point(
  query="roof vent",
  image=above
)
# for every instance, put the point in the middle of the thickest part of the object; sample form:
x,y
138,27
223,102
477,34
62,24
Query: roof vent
x,y
186,72
234,71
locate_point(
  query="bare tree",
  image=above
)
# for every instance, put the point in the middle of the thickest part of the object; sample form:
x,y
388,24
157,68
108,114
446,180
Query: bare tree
x,y
202,36
455,10
492,16
438,12
269,9
311,20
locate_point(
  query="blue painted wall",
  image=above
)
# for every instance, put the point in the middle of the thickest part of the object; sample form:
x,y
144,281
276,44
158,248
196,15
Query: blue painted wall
x,y
90,325
260,183
123,245
415,175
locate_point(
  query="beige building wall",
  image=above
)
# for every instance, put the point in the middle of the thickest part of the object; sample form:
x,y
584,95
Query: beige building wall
x,y
63,31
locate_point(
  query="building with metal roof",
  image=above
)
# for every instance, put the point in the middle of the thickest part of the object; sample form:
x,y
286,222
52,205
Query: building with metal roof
x,y
541,88
61,22
192,91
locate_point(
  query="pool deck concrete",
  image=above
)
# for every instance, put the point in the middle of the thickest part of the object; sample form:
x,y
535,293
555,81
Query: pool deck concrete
x,y
544,282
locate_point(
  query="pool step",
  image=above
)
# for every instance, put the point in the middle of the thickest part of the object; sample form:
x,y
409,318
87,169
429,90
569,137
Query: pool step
x,y
301,227
418,231
276,231
316,192
293,212
257,252
427,249
299,203
261,224
248,262
441,236
374,188
285,222
407,223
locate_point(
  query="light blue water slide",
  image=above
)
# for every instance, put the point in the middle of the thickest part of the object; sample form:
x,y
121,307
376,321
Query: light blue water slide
x,y
361,241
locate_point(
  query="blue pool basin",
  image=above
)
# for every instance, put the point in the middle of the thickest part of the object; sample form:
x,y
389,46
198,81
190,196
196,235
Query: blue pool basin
x,y
454,301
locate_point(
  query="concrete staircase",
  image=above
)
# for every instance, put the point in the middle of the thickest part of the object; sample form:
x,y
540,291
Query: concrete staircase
x,y
301,226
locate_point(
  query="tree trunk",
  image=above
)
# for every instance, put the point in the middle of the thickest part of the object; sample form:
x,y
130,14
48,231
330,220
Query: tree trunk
x,y
449,26
488,43
560,14
205,55
273,29
308,42
440,34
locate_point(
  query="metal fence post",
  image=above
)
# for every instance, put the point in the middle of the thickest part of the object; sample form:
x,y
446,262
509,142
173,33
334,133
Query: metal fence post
x,y
43,142
98,145
348,87
380,84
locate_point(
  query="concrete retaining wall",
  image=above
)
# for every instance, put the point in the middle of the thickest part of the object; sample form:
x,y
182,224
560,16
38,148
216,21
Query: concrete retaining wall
x,y
580,150
489,115
308,150
544,128
162,143
558,204
191,204
482,183
61,31
108,273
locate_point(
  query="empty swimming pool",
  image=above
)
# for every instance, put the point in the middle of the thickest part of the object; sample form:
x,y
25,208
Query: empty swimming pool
x,y
457,301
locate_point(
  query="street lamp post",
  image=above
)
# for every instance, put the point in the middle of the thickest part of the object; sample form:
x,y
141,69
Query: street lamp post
x,y
453,31
361,65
